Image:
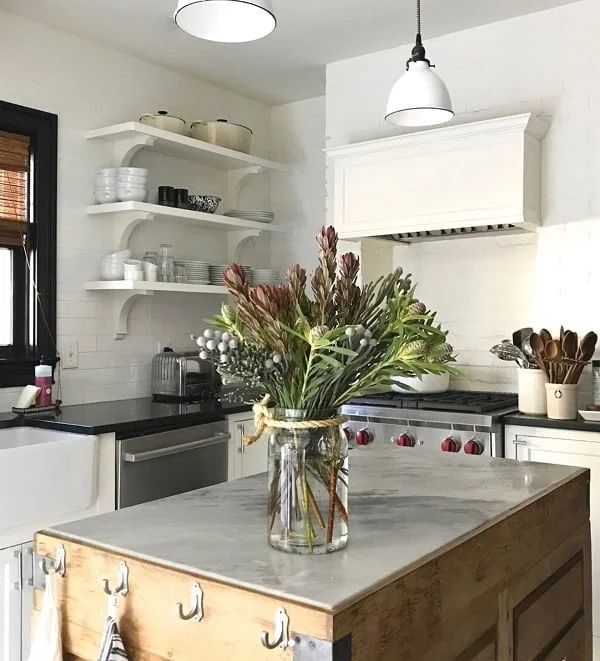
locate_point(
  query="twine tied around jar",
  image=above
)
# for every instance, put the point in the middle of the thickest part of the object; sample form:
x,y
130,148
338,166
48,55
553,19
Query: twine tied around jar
x,y
264,419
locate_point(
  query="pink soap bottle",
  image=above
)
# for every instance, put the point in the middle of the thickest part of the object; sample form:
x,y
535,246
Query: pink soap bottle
x,y
43,380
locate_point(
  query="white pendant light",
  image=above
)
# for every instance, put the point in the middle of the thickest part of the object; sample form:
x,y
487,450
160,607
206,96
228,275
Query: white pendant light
x,y
228,21
419,97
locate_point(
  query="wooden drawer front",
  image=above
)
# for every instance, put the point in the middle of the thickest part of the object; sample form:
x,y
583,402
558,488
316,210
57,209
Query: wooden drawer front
x,y
233,618
549,612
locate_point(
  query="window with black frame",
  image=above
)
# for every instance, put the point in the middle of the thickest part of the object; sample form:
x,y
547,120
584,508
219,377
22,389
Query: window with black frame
x,y
28,159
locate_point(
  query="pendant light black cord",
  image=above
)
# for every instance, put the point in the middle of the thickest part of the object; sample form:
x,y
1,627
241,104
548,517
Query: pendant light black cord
x,y
418,51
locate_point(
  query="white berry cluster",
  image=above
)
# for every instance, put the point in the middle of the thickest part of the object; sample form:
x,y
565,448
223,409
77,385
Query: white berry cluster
x,y
237,358
360,337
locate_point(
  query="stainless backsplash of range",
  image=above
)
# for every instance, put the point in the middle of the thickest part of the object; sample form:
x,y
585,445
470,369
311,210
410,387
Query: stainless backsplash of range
x,y
455,421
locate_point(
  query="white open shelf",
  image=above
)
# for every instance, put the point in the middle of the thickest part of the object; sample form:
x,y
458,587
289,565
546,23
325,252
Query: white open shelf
x,y
142,286
212,221
129,137
125,293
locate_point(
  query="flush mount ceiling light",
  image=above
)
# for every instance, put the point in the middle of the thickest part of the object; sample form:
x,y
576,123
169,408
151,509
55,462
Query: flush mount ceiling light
x,y
419,97
228,21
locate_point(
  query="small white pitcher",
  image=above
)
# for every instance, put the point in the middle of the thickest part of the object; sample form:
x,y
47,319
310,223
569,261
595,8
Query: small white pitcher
x,y
532,392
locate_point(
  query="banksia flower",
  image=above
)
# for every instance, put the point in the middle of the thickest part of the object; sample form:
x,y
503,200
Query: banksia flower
x,y
417,347
441,352
416,308
236,280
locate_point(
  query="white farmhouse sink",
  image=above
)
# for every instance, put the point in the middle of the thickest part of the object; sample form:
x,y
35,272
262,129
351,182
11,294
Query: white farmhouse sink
x,y
45,474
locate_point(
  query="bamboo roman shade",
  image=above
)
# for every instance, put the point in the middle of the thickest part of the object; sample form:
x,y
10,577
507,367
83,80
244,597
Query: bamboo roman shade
x,y
14,183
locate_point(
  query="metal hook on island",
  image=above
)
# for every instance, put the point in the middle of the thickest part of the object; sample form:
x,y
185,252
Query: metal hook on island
x,y
196,613
282,636
123,587
55,565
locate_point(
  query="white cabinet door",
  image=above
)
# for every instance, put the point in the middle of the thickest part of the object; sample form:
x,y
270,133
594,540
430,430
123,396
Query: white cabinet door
x,y
10,603
584,453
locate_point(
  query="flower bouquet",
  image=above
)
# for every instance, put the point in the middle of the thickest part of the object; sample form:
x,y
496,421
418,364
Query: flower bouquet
x,y
309,355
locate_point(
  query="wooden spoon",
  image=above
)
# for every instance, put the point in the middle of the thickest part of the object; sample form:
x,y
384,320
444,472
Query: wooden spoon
x,y
537,346
554,353
584,354
546,336
569,344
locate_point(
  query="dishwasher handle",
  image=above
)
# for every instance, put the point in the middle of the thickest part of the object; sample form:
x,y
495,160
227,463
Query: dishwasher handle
x,y
136,457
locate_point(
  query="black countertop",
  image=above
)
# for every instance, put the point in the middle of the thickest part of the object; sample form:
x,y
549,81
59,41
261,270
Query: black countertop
x,y
129,416
542,421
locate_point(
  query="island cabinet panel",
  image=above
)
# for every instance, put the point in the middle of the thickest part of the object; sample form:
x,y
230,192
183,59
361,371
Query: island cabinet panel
x,y
148,615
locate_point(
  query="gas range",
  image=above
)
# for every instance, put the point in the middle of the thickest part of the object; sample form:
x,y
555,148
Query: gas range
x,y
453,421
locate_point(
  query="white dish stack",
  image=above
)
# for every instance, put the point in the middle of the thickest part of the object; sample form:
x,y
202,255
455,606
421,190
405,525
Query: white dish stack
x,y
265,277
112,266
257,216
216,272
196,271
120,184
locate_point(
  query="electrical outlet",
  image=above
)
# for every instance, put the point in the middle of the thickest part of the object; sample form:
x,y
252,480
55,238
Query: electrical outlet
x,y
69,358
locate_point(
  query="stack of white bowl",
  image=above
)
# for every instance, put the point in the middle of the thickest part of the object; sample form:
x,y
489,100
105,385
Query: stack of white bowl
x,y
120,184
105,186
112,266
133,269
132,184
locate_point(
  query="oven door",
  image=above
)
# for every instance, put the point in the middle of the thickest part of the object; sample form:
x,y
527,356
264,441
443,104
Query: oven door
x,y
171,462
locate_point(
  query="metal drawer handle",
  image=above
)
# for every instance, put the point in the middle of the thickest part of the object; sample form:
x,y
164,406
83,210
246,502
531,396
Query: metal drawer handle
x,y
134,457
517,441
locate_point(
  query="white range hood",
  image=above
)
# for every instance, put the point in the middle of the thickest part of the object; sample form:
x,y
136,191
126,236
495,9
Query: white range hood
x,y
443,183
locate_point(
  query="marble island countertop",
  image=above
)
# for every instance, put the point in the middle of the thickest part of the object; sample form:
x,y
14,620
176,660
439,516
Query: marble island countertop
x,y
404,509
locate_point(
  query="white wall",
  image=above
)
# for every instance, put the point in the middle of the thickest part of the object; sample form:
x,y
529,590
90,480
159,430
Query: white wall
x,y
298,198
547,63
88,87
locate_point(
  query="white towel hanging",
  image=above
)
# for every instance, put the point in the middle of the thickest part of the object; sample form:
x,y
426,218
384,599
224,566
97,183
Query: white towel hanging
x,y
111,647
47,644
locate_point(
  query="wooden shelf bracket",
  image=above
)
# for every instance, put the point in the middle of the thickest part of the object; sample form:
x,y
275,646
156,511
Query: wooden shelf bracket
x,y
236,180
122,302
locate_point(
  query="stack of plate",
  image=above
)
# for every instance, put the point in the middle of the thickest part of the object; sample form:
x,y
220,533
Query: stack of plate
x,y
265,277
197,272
258,216
216,272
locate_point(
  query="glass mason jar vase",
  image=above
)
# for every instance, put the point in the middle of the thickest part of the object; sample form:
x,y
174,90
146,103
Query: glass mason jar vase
x,y
308,484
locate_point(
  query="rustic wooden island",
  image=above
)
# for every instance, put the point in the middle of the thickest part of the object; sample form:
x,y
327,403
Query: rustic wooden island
x,y
450,558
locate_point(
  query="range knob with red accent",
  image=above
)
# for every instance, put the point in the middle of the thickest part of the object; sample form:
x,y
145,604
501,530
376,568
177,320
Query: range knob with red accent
x,y
405,440
450,445
363,437
474,447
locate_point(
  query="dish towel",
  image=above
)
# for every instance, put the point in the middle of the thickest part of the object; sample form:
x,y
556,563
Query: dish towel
x,y
112,646
46,644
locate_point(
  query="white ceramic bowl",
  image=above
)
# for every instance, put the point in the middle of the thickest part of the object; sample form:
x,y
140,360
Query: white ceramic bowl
x,y
136,172
121,255
131,180
107,172
426,383
134,275
106,195
105,178
590,416
130,193
111,270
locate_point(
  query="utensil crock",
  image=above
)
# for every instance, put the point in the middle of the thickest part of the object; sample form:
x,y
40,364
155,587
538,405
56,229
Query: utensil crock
x,y
532,391
562,400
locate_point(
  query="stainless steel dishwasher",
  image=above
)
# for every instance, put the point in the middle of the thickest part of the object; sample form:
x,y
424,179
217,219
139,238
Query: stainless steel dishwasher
x,y
171,462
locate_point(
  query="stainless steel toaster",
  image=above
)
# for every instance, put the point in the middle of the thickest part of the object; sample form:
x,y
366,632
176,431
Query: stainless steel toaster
x,y
182,376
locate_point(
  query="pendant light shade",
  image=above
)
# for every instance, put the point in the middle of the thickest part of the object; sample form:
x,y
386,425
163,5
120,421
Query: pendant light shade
x,y
419,97
227,21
